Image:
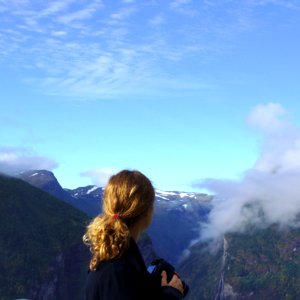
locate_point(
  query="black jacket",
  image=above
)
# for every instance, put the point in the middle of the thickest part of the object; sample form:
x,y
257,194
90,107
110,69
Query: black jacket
x,y
126,278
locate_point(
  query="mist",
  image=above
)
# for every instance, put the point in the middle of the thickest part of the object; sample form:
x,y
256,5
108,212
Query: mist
x,y
14,160
99,176
269,191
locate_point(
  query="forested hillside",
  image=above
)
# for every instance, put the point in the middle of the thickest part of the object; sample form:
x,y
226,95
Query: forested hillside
x,y
41,249
258,264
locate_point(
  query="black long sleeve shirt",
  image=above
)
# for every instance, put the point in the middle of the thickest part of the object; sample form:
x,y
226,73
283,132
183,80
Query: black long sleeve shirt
x,y
126,278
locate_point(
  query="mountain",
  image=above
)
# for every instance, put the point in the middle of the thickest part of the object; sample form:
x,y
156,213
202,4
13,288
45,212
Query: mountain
x,y
176,216
89,197
46,181
41,250
258,264
176,222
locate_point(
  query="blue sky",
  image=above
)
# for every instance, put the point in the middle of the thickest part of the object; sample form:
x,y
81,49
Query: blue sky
x,y
91,87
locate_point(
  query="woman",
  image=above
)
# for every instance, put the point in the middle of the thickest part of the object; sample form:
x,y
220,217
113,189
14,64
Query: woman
x,y
117,270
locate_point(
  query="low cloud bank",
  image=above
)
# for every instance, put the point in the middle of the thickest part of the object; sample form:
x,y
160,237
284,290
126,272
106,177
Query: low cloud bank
x,y
14,160
269,192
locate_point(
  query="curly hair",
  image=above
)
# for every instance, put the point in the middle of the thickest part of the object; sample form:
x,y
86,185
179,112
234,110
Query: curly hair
x,y
127,197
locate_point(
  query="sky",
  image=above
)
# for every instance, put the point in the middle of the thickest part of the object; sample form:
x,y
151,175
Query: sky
x,y
185,91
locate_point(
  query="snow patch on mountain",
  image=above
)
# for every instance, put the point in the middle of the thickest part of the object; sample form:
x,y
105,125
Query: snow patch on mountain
x,y
92,189
159,192
190,195
34,174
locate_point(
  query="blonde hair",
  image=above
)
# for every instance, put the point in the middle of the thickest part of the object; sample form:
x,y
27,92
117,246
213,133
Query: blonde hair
x,y
127,197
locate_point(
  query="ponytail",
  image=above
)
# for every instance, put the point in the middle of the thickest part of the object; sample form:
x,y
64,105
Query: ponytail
x,y
108,237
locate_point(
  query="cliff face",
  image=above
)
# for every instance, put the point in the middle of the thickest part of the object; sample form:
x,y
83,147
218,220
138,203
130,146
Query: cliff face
x,y
146,247
259,264
65,276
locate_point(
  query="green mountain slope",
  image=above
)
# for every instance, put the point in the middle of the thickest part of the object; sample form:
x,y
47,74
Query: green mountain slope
x,y
260,264
40,243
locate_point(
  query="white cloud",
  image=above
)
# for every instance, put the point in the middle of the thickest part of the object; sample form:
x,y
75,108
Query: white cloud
x,y
267,117
99,176
268,192
15,160
281,139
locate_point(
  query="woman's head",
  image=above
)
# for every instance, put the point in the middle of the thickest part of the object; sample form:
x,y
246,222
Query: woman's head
x,y
129,194
128,198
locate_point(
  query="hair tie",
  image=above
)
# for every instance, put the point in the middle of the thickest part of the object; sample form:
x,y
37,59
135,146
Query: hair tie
x,y
116,216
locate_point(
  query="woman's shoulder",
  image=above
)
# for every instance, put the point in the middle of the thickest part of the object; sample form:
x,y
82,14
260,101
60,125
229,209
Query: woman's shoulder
x,y
115,272
109,266
122,264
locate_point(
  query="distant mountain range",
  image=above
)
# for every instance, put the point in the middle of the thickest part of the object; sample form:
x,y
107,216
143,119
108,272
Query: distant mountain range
x,y
176,222
258,264
176,217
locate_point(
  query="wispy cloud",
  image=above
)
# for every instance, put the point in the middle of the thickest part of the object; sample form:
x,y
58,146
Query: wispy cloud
x,y
55,7
291,4
179,3
122,14
128,1
88,48
15,160
157,20
184,7
81,14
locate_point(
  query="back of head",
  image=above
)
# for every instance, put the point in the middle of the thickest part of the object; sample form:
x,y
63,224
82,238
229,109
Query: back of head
x,y
127,197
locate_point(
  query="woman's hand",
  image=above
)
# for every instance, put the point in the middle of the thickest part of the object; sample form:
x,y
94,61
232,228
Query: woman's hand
x,y
175,282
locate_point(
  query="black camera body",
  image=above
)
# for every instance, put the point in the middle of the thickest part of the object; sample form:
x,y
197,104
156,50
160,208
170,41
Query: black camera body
x,y
159,265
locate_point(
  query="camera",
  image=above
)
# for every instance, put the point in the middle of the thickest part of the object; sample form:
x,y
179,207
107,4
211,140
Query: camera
x,y
159,265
